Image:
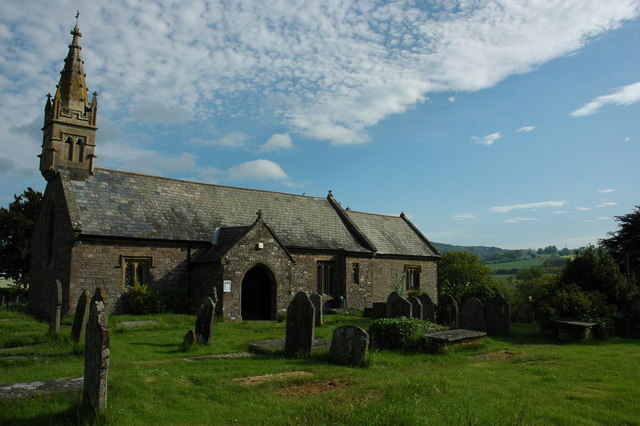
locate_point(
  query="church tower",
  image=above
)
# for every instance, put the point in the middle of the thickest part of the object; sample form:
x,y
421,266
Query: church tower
x,y
69,131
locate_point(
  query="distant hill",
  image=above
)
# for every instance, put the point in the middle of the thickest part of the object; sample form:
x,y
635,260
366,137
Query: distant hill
x,y
483,252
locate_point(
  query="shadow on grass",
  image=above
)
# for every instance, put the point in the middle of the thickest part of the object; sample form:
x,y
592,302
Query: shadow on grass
x,y
74,415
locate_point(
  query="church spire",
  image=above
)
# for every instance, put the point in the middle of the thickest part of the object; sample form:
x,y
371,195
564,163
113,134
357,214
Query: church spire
x,y
70,119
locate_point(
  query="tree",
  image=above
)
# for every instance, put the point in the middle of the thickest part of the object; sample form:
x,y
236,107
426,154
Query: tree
x,y
595,270
460,274
624,244
16,226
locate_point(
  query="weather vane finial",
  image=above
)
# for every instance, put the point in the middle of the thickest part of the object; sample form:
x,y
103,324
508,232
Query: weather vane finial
x,y
77,14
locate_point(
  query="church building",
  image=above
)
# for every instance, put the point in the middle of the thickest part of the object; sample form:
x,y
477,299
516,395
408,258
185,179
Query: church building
x,y
111,229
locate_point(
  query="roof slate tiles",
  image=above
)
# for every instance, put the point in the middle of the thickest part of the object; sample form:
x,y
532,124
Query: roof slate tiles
x,y
129,205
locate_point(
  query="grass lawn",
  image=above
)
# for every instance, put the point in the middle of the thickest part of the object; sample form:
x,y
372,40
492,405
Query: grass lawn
x,y
524,379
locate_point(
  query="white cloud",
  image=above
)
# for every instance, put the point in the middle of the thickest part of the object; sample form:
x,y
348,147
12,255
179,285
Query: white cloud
x,y
278,141
606,191
487,140
328,70
525,129
232,140
520,219
464,216
544,204
583,209
257,169
607,204
561,212
451,99
626,95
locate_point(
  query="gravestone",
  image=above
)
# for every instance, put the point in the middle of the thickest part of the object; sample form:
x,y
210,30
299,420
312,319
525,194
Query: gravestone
x,y
96,359
416,307
204,320
472,315
300,326
189,340
497,314
316,299
100,295
632,318
379,310
56,308
428,308
2,301
397,306
81,316
349,345
525,313
448,312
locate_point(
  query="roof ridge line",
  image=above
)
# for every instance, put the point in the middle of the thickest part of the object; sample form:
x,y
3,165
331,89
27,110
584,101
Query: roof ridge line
x,y
208,184
373,214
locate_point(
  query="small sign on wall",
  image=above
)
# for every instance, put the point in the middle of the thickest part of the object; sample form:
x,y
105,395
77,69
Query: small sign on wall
x,y
226,286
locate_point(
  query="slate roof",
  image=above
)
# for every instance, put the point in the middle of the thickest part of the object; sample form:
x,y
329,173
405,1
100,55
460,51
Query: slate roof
x,y
227,238
129,205
392,235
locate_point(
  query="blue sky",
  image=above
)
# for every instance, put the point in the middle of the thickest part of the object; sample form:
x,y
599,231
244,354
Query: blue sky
x,y
487,123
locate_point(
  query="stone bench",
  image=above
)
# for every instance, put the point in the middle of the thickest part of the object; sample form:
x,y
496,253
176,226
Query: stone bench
x,y
441,340
574,330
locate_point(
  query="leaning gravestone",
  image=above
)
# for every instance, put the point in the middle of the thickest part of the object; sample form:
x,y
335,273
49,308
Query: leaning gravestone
x,y
497,315
448,312
472,315
189,340
397,306
428,308
204,320
316,299
81,316
349,345
100,296
56,308
416,307
300,326
632,318
96,359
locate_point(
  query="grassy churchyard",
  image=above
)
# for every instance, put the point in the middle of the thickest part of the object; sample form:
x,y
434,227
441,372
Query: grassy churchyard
x,y
523,379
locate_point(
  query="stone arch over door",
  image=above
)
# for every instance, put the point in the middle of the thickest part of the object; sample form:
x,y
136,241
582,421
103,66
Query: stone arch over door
x,y
258,294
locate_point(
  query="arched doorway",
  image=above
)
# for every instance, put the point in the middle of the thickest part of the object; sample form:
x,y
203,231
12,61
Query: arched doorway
x,y
259,294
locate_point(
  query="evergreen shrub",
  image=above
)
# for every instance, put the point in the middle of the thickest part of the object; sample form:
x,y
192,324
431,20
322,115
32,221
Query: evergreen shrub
x,y
401,333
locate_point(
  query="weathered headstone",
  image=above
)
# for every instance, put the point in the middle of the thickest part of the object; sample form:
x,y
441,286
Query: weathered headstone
x,y
378,310
56,308
81,316
204,320
189,340
416,307
472,315
397,306
316,299
525,313
632,318
497,314
96,359
2,301
448,312
428,308
100,296
300,326
349,345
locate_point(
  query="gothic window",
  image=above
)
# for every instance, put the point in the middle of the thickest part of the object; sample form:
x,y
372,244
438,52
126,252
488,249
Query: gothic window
x,y
136,269
69,146
412,277
355,273
80,145
324,277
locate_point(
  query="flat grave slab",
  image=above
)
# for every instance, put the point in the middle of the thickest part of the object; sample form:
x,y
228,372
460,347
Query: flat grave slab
x,y
574,330
40,387
277,345
450,338
132,324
